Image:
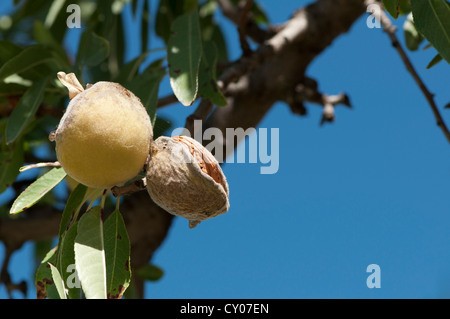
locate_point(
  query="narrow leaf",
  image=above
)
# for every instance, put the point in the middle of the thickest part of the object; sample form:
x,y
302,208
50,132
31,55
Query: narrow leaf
x,y
432,19
412,37
161,126
207,86
90,255
146,87
53,12
9,50
37,190
183,54
391,6
168,10
26,59
43,36
93,49
117,251
150,272
73,205
437,58
25,110
397,7
58,281
11,158
131,69
65,261
45,287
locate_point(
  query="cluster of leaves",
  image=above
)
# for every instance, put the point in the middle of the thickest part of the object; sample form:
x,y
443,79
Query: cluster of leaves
x,y
426,19
32,102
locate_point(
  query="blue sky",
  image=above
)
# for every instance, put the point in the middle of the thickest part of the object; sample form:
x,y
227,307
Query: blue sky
x,y
371,188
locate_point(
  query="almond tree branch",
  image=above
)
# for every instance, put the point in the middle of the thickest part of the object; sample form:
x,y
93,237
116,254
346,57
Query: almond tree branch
x,y
271,73
307,91
390,29
242,27
233,13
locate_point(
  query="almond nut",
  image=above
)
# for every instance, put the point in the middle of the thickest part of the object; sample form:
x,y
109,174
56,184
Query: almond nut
x,y
185,179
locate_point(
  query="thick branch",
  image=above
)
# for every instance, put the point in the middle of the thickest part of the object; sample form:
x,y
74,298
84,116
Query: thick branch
x,y
253,84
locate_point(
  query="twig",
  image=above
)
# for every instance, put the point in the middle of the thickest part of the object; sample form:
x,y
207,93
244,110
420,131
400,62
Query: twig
x,y
242,27
307,91
390,30
46,164
233,13
166,100
133,187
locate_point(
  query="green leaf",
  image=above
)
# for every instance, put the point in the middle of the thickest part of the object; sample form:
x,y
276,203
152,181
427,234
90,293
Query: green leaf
x,y
146,26
432,19
53,12
168,11
391,7
146,86
25,110
58,281
26,59
397,7
30,9
150,272
161,126
131,69
437,58
258,14
405,7
8,89
8,51
93,49
184,52
41,248
43,36
207,84
11,158
37,190
66,242
164,18
73,205
212,32
43,279
65,261
117,252
90,255
412,37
